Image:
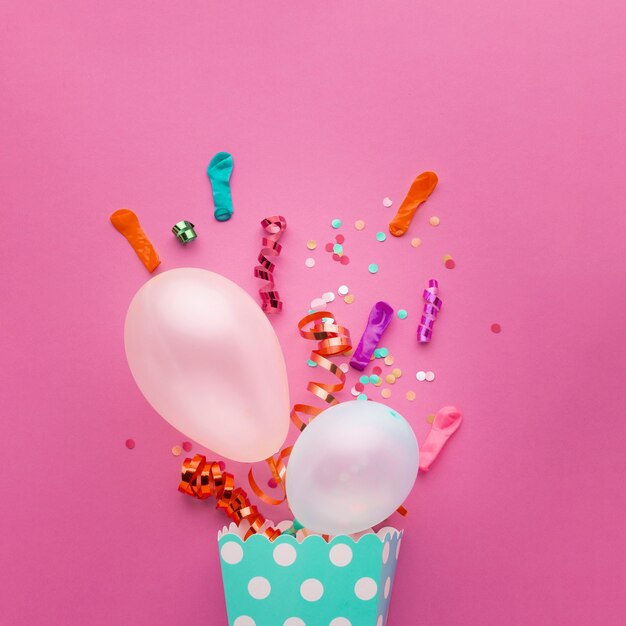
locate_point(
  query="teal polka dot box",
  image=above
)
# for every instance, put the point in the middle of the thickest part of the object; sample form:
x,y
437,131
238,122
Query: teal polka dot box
x,y
307,581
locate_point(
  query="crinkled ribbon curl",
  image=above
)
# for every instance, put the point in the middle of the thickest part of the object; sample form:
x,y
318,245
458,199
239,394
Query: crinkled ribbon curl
x,y
201,480
274,227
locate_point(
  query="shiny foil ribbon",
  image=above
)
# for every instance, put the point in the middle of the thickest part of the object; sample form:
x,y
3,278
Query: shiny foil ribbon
x,y
201,479
432,306
274,227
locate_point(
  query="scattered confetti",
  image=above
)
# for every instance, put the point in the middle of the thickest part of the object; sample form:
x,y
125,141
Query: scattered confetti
x,y
389,360
339,238
397,372
336,223
348,352
344,367
130,444
430,418
329,296
176,450
496,328
385,393
380,236
343,290
311,244
349,299
359,386
359,224
374,378
271,483
420,375
450,264
311,363
387,202
434,221
187,446
338,248
384,352
430,376
377,371
361,396
345,260
354,391
416,242
410,395
402,314
390,378
373,268
379,381
310,262
364,379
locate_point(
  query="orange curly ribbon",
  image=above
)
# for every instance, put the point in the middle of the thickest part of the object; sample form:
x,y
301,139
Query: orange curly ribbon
x,y
201,480
275,227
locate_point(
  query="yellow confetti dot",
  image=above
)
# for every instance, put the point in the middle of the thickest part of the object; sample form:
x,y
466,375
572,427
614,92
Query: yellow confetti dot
x,y
397,372
349,299
349,352
359,224
434,221
390,378
416,242
386,393
410,395
379,383
389,360
431,418
176,450
311,244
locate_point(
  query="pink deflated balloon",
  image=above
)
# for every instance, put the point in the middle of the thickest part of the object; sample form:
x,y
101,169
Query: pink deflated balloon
x,y
207,359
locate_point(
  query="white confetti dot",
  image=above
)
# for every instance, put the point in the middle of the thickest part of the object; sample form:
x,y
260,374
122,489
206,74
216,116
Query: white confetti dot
x,y
259,587
344,367
309,262
318,303
285,554
387,586
294,621
244,620
343,290
365,588
387,202
340,554
420,375
231,553
386,552
354,391
430,376
340,621
398,549
311,589
379,621
329,296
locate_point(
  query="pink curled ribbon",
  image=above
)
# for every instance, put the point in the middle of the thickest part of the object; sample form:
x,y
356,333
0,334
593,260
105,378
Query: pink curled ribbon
x,y
432,306
445,424
379,318
274,227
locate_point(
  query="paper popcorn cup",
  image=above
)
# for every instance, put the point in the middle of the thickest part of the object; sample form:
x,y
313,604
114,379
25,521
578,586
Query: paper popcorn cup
x,y
287,582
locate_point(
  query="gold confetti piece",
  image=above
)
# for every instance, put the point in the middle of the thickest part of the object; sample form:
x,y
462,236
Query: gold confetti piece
x,y
446,257
390,378
397,372
359,224
386,393
176,450
434,221
349,299
430,418
311,244
389,360
410,395
416,242
379,383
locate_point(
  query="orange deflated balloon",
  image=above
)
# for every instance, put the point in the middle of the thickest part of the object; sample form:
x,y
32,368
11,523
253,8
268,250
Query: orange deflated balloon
x,y
421,188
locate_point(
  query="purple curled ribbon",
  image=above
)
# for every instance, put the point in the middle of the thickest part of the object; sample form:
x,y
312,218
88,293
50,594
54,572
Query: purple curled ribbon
x,y
377,322
432,306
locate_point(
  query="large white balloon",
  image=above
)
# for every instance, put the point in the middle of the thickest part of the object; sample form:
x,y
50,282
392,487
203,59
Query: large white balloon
x,y
351,467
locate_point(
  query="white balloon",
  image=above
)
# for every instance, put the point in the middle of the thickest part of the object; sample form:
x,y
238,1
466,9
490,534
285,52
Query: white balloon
x,y
351,467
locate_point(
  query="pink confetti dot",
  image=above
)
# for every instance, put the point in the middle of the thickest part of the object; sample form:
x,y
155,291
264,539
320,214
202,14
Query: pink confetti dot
x,y
130,444
340,238
377,370
336,257
328,247
496,328
186,446
345,260
359,387
271,483
450,264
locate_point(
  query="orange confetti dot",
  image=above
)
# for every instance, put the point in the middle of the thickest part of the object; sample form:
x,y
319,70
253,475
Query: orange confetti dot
x,y
386,393
430,418
176,450
397,372
416,242
359,224
389,360
390,378
311,244
349,299
410,395
379,383
434,221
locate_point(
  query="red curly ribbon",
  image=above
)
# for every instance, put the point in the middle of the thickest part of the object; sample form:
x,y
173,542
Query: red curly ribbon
x,y
201,480
274,226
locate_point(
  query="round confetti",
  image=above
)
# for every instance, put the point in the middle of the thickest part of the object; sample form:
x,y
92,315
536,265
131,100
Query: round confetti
x,y
416,242
336,257
318,303
374,378
397,372
311,244
378,370
389,360
339,238
349,299
329,296
402,314
338,248
496,328
379,382
384,352
361,396
130,444
343,290
186,446
344,367
359,386
345,260
450,264
336,223
354,391
176,450
430,418
387,202
430,376
328,247
434,221
359,224
420,375
386,393
380,236
310,262
364,379
390,378
272,484
410,395
373,268
311,363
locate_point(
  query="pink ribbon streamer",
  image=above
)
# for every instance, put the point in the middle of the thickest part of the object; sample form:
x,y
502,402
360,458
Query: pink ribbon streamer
x,y
445,424
432,306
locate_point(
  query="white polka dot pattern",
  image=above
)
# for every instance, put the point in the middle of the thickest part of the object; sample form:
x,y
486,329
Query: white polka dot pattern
x,y
259,588
285,554
294,621
386,550
387,587
231,553
340,554
365,588
340,621
311,589
244,620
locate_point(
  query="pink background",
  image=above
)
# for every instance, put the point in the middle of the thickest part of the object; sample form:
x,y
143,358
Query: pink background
x,y
327,107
